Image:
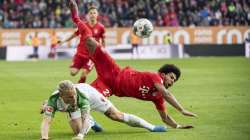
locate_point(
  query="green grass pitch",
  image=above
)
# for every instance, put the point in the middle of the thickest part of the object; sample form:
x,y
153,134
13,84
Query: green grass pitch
x,y
216,88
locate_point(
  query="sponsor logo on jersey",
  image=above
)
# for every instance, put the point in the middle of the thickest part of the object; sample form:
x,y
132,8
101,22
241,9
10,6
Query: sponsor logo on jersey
x,y
49,109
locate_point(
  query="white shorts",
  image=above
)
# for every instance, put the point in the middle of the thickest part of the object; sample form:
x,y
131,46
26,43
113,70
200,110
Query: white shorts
x,y
97,101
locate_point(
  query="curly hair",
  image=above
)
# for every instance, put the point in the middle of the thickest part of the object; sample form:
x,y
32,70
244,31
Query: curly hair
x,y
167,68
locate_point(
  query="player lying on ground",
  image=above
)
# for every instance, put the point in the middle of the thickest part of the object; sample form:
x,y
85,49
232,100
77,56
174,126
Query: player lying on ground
x,y
78,100
131,83
81,58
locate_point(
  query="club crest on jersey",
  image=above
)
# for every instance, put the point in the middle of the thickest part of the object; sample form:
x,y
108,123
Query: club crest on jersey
x,y
95,31
49,109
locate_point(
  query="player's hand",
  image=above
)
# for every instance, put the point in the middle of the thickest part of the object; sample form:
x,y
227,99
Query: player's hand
x,y
188,113
72,4
60,42
78,137
42,108
184,127
44,138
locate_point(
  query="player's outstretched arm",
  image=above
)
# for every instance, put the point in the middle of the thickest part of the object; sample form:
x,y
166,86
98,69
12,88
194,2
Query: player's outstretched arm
x,y
171,122
75,17
86,33
45,127
170,98
67,39
74,11
85,117
85,122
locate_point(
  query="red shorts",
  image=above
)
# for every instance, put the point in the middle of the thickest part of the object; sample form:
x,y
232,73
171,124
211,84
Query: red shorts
x,y
106,68
101,87
53,46
80,62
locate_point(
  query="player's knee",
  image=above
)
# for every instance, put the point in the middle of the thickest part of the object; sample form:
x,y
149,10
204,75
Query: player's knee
x,y
73,72
115,115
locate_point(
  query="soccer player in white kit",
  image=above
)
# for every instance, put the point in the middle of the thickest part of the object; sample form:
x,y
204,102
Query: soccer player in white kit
x,y
78,100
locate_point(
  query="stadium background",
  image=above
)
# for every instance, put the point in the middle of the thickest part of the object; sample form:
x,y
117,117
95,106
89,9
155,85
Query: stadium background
x,y
216,88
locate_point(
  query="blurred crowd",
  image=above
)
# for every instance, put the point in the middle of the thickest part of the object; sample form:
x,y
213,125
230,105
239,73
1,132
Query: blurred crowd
x,y
122,13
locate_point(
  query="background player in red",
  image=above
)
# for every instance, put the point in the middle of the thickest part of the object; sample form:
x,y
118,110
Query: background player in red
x,y
81,59
131,83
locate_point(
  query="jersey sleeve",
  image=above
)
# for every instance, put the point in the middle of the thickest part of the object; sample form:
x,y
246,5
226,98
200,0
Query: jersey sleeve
x,y
51,107
82,27
82,101
160,104
84,106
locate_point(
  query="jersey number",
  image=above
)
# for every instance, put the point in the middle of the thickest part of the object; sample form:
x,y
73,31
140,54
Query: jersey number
x,y
144,89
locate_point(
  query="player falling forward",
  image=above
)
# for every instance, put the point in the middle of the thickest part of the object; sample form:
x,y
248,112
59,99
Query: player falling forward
x,y
131,83
81,58
78,100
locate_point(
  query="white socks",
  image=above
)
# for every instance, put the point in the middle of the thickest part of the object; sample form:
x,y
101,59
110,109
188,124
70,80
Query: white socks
x,y
135,121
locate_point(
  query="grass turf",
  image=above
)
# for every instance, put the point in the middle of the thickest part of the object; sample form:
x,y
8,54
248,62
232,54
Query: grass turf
x,y
217,89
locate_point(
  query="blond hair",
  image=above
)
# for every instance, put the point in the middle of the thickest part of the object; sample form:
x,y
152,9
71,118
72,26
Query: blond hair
x,y
65,85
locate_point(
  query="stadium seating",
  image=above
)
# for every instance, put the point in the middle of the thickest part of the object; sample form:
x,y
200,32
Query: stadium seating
x,y
122,13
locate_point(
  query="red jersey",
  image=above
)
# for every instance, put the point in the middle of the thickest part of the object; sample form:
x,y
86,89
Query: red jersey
x,y
125,82
140,85
98,32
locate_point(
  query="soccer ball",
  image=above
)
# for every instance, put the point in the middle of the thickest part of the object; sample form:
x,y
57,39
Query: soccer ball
x,y
143,28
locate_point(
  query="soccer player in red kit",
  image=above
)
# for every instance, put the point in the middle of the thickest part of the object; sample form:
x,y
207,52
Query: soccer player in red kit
x,y
131,83
81,59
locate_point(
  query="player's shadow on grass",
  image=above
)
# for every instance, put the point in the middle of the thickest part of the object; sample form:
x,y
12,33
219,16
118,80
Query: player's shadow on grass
x,y
69,135
125,132
36,136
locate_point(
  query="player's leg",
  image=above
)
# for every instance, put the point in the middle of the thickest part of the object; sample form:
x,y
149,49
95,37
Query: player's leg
x,y
132,120
76,65
73,71
106,67
87,66
83,76
104,64
100,103
99,85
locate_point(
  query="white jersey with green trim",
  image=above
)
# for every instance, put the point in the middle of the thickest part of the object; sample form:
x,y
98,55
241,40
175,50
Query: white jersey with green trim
x,y
87,98
55,103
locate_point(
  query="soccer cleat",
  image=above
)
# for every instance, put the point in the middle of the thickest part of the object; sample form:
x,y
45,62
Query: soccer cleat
x,y
97,127
159,128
